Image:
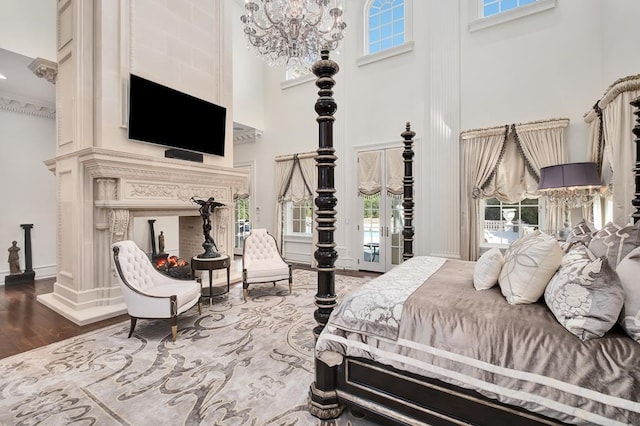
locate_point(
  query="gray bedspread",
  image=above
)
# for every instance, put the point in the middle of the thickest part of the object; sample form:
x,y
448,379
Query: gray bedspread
x,y
518,354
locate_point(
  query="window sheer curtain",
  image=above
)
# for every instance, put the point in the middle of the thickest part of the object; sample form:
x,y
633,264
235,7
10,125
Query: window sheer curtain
x,y
296,179
614,150
505,162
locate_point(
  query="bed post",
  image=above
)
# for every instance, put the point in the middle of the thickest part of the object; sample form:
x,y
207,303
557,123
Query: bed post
x,y
407,203
323,400
636,169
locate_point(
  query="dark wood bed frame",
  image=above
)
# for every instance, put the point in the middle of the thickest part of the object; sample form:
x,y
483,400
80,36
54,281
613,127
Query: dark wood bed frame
x,y
382,392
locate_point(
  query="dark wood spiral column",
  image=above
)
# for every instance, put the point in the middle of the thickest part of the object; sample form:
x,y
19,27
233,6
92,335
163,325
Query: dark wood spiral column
x,y
407,203
323,400
636,169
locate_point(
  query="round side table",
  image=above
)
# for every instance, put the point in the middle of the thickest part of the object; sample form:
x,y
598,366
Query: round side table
x,y
211,264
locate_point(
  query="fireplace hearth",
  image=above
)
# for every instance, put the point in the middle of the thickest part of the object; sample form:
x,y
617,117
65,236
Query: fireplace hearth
x,y
173,267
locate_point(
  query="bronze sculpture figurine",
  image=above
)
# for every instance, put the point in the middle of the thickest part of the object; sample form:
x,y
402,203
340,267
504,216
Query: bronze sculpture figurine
x,y
206,209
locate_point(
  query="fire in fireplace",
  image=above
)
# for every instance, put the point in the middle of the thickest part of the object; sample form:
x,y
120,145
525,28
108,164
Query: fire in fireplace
x,y
174,267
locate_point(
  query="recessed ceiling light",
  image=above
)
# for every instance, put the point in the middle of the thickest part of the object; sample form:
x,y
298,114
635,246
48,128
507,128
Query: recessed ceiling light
x,y
2,77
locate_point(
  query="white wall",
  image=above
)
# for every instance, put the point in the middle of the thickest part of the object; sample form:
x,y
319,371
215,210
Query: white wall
x,y
29,191
29,27
553,64
248,75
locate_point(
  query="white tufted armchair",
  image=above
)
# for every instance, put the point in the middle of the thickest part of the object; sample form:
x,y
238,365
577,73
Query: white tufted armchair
x,y
149,293
262,262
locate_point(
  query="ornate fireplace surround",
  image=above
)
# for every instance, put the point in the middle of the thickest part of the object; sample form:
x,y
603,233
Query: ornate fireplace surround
x,y
115,187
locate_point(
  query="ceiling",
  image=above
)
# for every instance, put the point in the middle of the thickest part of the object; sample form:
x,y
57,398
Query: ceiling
x,y
21,83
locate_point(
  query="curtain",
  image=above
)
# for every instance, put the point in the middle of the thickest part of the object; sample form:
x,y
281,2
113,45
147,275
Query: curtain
x,y
296,180
243,190
612,147
618,120
395,172
512,181
481,154
505,162
310,174
543,144
369,172
284,168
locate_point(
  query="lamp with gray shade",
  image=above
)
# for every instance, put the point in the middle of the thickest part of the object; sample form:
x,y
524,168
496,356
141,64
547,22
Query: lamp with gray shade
x,y
570,185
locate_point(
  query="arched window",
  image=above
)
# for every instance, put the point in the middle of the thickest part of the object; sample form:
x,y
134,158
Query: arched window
x,y
385,25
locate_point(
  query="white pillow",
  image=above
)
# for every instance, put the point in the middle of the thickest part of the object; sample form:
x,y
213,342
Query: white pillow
x,y
528,266
629,272
487,269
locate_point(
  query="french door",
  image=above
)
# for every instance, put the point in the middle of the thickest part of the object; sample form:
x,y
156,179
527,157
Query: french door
x,y
381,224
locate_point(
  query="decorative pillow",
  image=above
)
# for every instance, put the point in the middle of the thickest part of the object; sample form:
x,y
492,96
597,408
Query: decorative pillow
x,y
487,269
629,272
615,242
528,266
583,232
585,295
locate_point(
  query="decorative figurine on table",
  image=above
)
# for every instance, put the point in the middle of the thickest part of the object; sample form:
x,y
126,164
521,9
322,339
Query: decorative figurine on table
x,y
206,209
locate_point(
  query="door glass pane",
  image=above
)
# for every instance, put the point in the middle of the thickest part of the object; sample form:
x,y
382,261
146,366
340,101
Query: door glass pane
x,y
243,225
371,228
395,228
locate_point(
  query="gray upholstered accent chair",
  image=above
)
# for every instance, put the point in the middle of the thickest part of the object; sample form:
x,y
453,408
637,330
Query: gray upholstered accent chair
x,y
262,262
147,292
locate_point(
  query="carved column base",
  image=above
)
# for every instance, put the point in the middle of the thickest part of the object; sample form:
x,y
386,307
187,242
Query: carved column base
x,y
323,405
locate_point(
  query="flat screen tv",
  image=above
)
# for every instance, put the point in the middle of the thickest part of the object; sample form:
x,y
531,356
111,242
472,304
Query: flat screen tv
x,y
164,116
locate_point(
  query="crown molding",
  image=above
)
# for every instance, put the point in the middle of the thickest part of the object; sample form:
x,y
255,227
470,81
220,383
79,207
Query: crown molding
x,y
23,106
44,68
247,136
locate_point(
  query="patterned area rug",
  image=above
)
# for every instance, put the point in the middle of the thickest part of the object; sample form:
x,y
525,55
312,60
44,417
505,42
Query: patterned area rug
x,y
236,364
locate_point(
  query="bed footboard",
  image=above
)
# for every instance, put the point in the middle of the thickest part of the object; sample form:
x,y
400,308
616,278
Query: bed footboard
x,y
398,397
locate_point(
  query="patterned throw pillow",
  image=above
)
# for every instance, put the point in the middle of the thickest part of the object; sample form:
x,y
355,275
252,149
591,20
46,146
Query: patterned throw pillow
x,y
629,272
615,242
487,269
583,232
585,295
528,266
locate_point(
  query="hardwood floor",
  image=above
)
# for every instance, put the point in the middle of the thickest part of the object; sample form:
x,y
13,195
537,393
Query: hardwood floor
x,y
27,324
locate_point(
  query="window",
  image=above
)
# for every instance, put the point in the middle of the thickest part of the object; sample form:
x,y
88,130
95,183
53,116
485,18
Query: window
x,y
487,13
299,218
243,224
504,223
493,7
386,25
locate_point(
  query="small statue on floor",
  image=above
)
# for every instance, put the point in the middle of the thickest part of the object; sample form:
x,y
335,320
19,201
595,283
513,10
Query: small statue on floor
x,y
14,258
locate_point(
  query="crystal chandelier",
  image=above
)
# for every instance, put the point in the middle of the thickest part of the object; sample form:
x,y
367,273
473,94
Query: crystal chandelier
x,y
293,32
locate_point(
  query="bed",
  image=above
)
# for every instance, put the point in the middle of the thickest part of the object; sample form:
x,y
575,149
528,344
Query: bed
x,y
420,345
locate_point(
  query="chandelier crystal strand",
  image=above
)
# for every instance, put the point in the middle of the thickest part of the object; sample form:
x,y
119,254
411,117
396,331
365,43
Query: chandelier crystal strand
x,y
292,33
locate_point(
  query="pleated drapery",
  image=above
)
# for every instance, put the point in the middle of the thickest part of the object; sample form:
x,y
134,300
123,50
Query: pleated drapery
x,y
504,162
481,153
243,190
370,172
613,148
296,181
395,172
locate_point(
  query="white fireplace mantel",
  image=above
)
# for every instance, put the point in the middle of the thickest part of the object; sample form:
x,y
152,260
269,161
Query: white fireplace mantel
x,y
113,187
